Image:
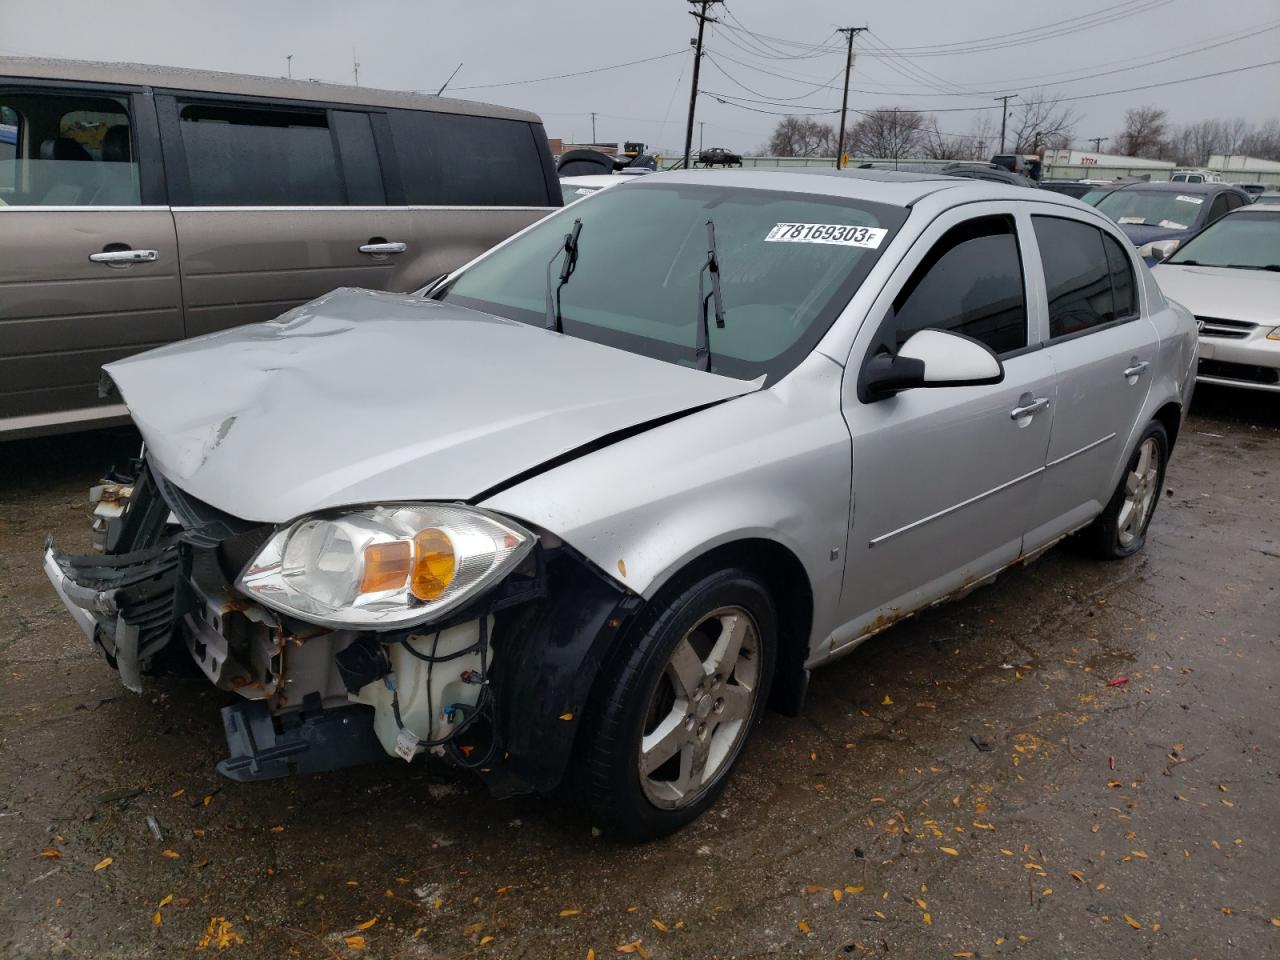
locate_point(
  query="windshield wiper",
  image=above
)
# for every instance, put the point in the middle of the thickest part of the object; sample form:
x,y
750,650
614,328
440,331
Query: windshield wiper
x,y
1254,266
702,347
569,252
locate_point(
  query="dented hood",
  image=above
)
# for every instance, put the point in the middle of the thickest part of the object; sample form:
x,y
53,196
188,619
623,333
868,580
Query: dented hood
x,y
362,396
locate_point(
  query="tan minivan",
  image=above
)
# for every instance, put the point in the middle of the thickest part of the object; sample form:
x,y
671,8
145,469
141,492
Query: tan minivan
x,y
141,205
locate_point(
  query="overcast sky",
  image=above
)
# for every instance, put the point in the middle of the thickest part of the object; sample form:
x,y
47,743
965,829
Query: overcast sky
x,y
416,44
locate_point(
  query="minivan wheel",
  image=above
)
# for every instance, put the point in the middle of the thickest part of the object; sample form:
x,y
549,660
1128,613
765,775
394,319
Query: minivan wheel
x,y
673,711
1121,529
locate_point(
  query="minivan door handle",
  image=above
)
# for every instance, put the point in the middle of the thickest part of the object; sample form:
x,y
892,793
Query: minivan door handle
x,y
1027,409
1136,369
125,256
381,249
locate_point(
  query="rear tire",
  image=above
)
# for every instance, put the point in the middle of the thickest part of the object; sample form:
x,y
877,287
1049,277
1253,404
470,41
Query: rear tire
x,y
671,714
1121,529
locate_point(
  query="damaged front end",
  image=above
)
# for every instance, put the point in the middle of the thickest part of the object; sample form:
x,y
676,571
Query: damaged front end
x,y
495,683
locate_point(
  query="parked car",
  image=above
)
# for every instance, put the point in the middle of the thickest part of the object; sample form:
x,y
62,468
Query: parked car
x,y
147,204
718,157
1151,213
990,172
603,493
1228,275
1269,197
1068,188
1194,175
1252,189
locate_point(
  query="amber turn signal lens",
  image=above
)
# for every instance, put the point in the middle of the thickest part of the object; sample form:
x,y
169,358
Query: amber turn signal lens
x,y
434,564
386,566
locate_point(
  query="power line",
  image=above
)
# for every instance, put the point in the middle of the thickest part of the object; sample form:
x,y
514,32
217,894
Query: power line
x,y
827,85
576,73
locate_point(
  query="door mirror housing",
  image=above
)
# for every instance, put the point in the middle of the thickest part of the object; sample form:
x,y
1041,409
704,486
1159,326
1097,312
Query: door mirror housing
x,y
932,358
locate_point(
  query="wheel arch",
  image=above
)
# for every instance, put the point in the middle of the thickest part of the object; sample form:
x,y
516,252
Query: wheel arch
x,y
1170,417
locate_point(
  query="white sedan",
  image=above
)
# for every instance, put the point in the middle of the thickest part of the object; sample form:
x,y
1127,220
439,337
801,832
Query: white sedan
x,y
1228,275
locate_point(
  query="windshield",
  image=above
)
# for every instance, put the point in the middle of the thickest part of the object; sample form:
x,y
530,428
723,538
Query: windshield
x,y
1249,239
788,264
1152,208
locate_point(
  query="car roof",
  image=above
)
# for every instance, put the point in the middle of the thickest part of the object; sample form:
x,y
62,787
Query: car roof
x,y
1161,186
211,81
893,187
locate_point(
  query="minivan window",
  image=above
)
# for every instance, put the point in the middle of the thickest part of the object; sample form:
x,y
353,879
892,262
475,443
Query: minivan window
x,y
1078,276
66,149
971,283
241,155
789,263
449,159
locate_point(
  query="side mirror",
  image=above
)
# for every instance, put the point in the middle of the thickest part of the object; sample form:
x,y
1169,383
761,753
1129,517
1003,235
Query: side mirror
x,y
932,358
1163,249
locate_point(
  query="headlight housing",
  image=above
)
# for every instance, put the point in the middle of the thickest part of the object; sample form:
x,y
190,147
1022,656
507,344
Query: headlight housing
x,y
383,567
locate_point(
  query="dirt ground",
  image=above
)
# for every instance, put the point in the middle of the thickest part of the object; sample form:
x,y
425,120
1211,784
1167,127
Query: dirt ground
x,y
1082,760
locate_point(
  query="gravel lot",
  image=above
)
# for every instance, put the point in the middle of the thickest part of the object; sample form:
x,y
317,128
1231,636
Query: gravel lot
x,y
1082,760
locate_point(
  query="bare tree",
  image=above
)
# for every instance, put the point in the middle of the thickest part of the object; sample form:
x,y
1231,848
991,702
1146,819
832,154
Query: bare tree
x,y
1264,141
1235,132
1201,140
1144,132
936,145
889,133
800,137
1040,120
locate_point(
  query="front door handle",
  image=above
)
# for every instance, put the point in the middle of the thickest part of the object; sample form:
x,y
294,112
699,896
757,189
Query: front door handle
x,y
1136,368
125,256
382,249
1029,409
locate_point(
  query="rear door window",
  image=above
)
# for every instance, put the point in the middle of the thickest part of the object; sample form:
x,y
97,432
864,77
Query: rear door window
x,y
1218,207
66,149
449,159
1088,282
971,282
245,155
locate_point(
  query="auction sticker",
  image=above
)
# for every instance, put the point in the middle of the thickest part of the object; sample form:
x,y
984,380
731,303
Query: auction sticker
x,y
840,234
1185,199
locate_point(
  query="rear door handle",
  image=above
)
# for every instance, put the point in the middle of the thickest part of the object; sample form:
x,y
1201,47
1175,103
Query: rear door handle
x,y
394,246
1029,409
125,256
1137,369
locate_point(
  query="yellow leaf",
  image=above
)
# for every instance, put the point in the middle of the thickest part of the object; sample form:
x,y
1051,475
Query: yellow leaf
x,y
804,927
1131,922
879,914
854,889
367,925
921,904
887,701
166,901
171,854
964,954
505,889
813,888
1139,853
355,941
1079,875
659,924
277,829
836,894
51,853
177,793
208,799
1007,853
591,953
487,938
1100,886
156,919
198,831
950,851
1047,892
928,919
472,929
566,716
984,826
104,863
632,947
570,912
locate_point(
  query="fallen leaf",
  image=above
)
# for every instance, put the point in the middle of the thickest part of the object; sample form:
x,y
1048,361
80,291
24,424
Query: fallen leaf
x,y
166,901
854,889
984,826
804,927
887,701
156,919
220,934
1079,875
659,924
1007,853
814,888
171,854
928,919
1139,853
591,953
570,912
1047,892
277,829
504,889
1131,922
566,716
177,793
836,894
367,925
487,938
198,831
208,799
950,851
51,853
472,929
355,941
964,954
632,947
1118,682
104,863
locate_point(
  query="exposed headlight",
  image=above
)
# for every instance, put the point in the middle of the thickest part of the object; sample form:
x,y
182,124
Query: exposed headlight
x,y
385,566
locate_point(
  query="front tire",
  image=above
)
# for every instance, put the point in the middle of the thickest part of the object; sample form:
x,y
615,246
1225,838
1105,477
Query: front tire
x,y
672,712
1121,529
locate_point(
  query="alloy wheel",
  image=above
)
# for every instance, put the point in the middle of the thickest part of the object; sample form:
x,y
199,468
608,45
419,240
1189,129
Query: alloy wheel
x,y
1140,489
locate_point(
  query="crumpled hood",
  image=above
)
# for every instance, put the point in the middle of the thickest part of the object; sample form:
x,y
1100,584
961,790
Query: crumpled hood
x,y
1223,292
362,396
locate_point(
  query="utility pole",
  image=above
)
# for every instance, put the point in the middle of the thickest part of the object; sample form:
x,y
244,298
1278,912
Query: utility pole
x,y
703,20
1004,116
288,65
701,124
355,67
850,33
1097,143
593,126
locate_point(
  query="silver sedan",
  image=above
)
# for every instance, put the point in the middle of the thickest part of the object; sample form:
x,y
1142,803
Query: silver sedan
x,y
591,502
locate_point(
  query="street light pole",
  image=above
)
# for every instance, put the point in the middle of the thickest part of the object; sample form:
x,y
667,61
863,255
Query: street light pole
x,y
850,33
288,65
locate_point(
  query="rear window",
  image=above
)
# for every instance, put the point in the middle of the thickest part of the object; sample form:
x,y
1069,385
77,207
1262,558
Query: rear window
x,y
449,159
1088,278
246,156
1153,208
